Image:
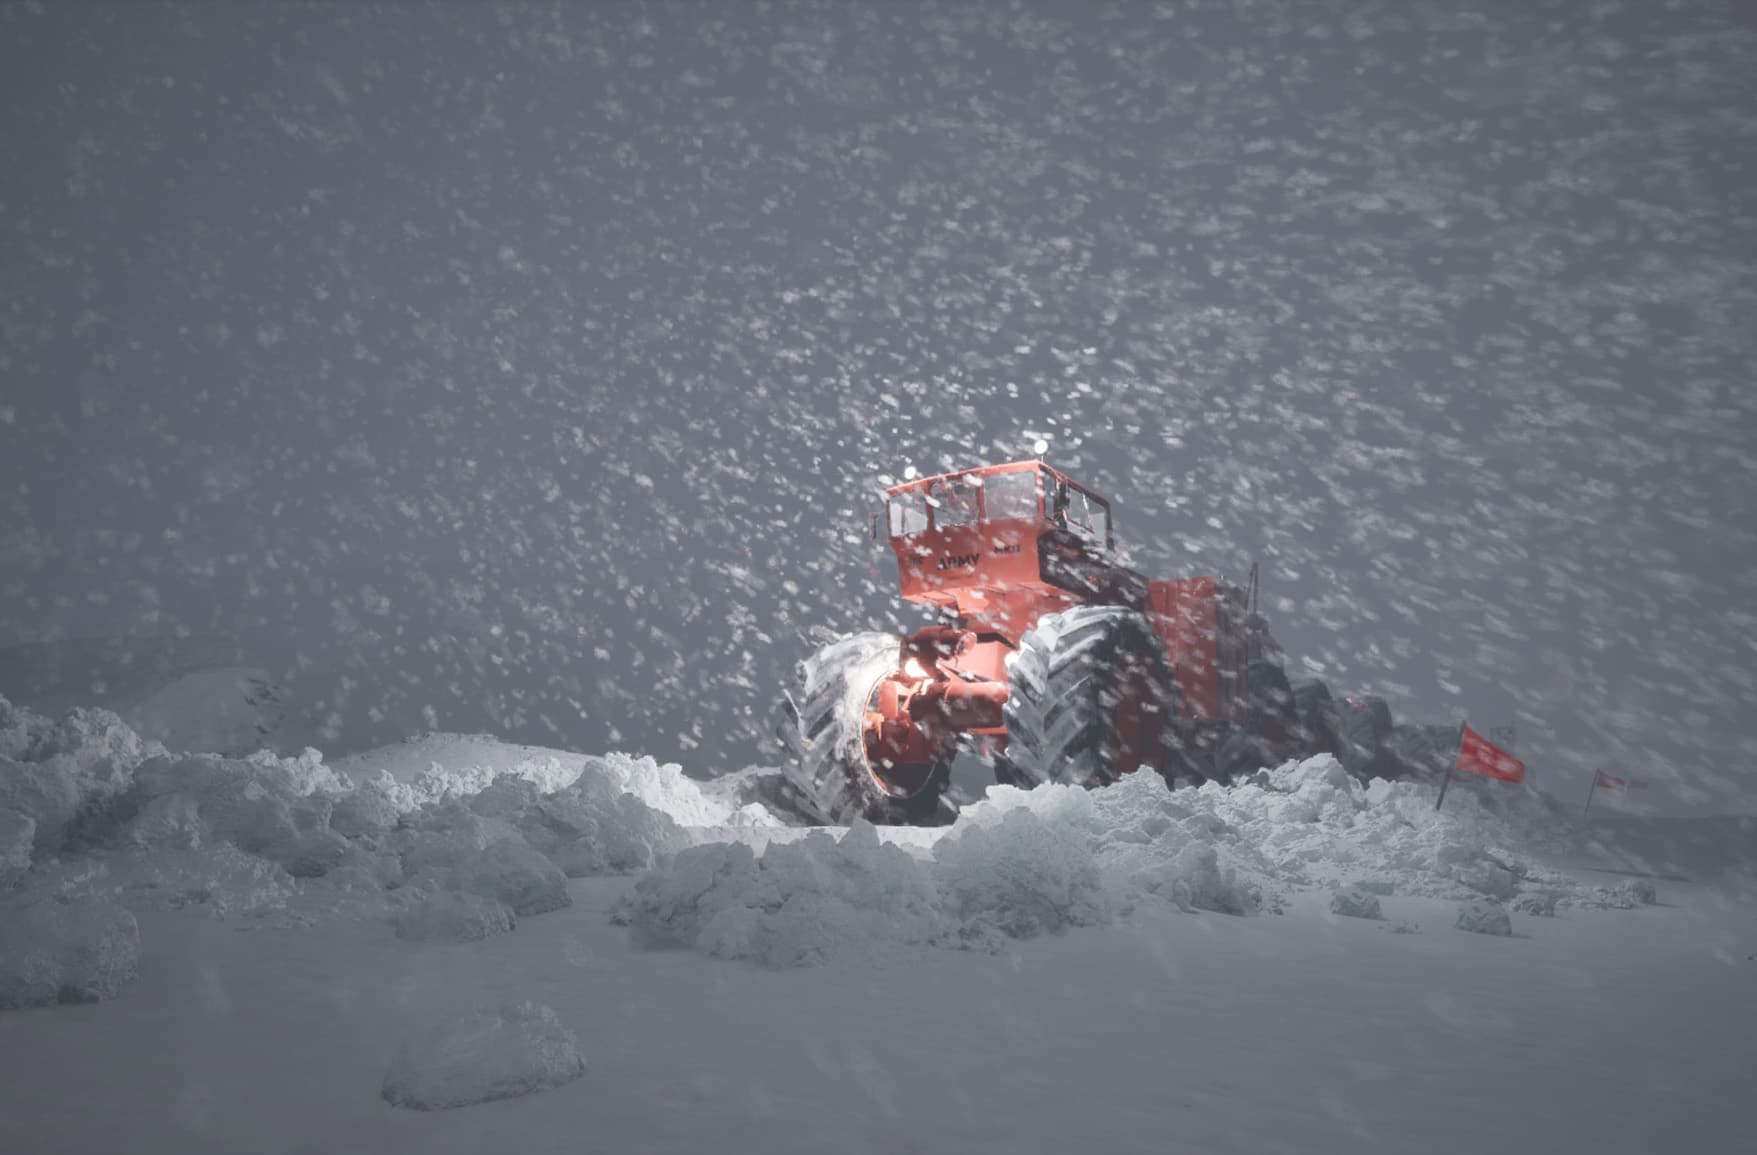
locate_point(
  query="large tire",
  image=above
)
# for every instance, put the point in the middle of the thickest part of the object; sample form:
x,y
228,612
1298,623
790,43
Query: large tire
x,y
1316,711
1271,730
1363,724
831,780
1080,679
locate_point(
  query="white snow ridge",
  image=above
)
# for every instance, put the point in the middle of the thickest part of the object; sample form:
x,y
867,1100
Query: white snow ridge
x,y
1025,863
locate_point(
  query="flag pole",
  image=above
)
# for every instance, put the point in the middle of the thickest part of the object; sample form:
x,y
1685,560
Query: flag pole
x,y
1451,766
1591,792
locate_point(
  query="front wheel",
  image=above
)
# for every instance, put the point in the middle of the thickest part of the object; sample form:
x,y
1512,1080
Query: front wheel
x,y
1090,698
832,781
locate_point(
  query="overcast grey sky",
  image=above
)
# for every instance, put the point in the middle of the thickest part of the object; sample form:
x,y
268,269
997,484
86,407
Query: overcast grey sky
x,y
530,367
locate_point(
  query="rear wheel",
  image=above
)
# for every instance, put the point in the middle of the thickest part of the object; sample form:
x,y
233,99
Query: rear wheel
x,y
1090,698
1269,730
1317,718
832,780
1363,723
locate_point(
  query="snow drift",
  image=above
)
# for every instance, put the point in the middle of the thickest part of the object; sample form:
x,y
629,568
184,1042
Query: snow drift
x,y
90,810
1024,863
458,836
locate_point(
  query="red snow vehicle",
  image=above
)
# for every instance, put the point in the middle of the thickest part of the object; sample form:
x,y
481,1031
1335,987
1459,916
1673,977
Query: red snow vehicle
x,y
1057,664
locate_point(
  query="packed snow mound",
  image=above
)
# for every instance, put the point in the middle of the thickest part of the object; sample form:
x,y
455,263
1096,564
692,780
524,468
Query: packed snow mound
x,y
441,767
798,903
223,711
496,1053
510,871
1022,863
52,771
454,917
65,952
87,809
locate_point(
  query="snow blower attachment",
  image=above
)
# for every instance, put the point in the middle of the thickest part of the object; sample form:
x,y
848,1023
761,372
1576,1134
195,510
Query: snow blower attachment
x,y
1057,663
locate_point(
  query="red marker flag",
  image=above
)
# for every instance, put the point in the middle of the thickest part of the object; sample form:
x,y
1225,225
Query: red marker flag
x,y
1611,782
1478,755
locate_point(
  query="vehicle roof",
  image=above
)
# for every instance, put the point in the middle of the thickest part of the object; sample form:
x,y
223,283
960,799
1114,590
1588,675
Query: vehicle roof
x,y
1025,465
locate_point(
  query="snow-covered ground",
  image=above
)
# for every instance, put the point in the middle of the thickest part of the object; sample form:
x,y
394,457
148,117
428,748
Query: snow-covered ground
x,y
456,942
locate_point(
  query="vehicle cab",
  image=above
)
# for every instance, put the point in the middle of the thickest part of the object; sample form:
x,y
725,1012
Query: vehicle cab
x,y
995,542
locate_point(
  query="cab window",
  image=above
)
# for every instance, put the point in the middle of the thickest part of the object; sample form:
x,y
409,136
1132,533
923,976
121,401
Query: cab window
x,y
954,503
1010,495
908,514
1083,513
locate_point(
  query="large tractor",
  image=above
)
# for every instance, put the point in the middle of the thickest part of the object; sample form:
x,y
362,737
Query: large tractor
x,y
1052,662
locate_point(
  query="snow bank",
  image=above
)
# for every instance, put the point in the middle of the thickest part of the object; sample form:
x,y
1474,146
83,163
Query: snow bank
x,y
87,809
499,1053
800,902
1024,863
54,952
51,770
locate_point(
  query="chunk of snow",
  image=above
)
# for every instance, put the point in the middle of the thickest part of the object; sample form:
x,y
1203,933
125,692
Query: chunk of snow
x,y
439,838
1484,918
193,801
1488,878
1020,877
45,793
1626,895
94,748
799,903
1539,903
515,874
223,881
453,917
1355,903
17,832
498,1053
65,952
367,811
